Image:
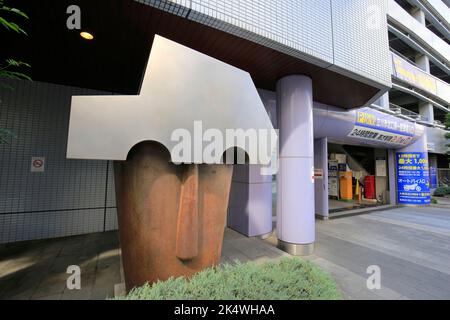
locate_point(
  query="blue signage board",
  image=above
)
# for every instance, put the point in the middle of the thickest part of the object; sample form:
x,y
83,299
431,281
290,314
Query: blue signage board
x,y
433,178
413,178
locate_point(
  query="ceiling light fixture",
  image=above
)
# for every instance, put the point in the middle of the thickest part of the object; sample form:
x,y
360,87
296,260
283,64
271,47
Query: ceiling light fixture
x,y
86,35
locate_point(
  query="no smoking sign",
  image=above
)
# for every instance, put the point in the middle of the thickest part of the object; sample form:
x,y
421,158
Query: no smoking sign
x,y
37,164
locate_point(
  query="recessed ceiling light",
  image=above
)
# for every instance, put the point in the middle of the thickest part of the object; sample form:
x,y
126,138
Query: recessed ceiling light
x,y
86,35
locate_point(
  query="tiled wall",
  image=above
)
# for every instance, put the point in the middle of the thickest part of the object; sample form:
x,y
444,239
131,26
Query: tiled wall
x,y
71,196
360,38
349,36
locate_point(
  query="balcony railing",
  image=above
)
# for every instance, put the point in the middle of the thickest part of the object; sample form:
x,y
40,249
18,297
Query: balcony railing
x,y
407,114
411,116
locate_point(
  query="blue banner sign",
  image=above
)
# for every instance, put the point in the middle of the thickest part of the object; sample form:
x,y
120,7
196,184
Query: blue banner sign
x,y
433,178
413,178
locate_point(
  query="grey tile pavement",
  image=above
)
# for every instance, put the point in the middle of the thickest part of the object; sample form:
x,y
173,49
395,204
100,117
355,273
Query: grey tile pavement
x,y
37,269
410,245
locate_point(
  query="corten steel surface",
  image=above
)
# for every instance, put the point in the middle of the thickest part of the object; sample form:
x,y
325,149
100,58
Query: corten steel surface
x,y
171,217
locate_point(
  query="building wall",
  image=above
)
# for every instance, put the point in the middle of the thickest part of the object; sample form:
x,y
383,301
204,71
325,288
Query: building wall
x,y
358,28
339,34
71,196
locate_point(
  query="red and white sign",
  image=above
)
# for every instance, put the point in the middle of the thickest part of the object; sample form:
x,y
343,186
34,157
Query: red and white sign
x,y
318,174
37,164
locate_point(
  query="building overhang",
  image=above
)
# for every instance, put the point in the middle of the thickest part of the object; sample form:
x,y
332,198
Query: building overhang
x,y
124,30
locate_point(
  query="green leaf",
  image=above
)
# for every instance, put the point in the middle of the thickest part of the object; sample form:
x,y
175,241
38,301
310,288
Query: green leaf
x,y
15,63
14,75
4,23
17,11
11,26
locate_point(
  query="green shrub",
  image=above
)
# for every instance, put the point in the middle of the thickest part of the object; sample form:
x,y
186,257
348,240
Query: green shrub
x,y
442,191
286,279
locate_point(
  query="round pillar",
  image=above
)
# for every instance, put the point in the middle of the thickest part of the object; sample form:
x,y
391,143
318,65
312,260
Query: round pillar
x,y
295,181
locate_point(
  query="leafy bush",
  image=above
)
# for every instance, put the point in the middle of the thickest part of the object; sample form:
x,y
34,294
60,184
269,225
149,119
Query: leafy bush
x,y
286,279
442,191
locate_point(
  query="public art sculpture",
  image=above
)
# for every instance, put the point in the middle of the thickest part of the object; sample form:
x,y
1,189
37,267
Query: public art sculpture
x,y
171,208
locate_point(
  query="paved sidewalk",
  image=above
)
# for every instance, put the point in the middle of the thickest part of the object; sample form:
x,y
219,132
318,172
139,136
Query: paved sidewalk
x,y
410,245
37,269
442,202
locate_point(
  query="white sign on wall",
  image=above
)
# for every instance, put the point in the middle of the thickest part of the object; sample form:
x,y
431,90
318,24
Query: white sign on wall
x,y
318,174
381,167
37,164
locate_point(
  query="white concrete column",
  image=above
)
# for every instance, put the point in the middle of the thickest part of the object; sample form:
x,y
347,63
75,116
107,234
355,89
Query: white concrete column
x,y
419,15
423,62
295,181
384,101
426,110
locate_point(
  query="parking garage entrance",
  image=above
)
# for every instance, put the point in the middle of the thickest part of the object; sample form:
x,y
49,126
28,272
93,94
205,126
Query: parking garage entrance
x,y
358,177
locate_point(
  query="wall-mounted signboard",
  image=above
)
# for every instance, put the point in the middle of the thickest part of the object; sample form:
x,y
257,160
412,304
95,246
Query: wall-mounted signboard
x,y
433,178
380,167
333,181
406,72
369,126
413,178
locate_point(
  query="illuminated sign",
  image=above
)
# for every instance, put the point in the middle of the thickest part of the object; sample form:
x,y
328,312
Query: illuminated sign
x,y
371,127
413,178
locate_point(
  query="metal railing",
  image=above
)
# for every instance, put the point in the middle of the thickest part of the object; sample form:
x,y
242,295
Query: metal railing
x,y
407,114
401,55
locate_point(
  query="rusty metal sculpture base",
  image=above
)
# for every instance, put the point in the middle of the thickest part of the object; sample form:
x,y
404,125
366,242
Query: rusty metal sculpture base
x,y
171,217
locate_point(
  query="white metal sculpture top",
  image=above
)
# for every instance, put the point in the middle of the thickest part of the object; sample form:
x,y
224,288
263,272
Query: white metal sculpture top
x,y
183,91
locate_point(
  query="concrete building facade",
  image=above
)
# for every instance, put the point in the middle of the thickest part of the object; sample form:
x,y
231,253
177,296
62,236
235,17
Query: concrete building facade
x,y
367,81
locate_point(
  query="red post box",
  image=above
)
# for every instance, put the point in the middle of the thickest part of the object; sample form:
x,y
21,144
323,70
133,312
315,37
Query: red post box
x,y
369,187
